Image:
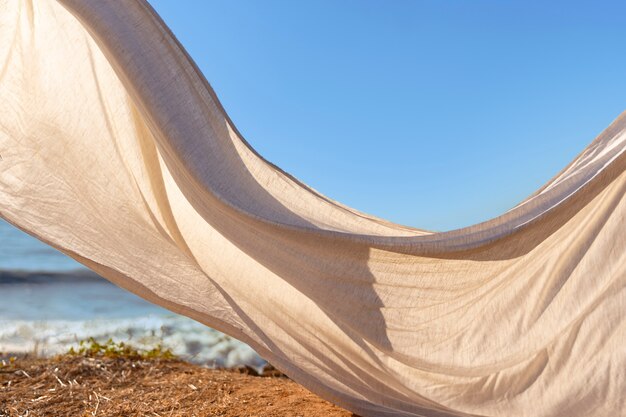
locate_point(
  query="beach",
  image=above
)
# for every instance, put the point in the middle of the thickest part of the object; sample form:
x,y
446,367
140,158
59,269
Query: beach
x,y
77,385
51,304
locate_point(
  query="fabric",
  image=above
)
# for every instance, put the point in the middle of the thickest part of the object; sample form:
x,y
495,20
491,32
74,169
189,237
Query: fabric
x,y
116,151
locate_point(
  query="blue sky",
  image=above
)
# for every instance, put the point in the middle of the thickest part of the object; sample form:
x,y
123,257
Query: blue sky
x,y
436,114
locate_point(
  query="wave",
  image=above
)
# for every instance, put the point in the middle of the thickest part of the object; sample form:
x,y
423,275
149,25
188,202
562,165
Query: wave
x,y
20,276
47,312
187,339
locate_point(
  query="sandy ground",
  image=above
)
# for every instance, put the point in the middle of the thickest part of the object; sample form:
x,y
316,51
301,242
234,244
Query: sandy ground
x,y
73,385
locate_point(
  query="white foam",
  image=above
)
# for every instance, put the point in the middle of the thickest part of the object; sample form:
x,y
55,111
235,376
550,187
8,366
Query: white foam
x,y
187,339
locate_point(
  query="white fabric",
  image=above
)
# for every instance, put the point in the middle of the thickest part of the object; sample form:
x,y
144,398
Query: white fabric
x,y
116,151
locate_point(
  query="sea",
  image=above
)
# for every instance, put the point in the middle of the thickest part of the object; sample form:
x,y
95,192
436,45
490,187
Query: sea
x,y
49,303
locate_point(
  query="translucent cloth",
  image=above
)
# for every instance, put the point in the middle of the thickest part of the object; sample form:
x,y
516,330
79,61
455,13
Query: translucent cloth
x,y
116,151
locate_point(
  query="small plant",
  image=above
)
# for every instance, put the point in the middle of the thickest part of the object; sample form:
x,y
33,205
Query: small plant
x,y
4,363
110,349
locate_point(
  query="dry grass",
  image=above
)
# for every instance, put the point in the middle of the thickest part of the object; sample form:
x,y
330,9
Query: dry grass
x,y
80,385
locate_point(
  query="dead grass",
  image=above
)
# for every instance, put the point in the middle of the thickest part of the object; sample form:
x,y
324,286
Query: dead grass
x,y
78,385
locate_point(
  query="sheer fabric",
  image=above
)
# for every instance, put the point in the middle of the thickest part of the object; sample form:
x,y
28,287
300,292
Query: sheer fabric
x,y
115,150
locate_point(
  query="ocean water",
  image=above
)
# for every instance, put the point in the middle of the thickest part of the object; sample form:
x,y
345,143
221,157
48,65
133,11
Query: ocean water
x,y
49,302
19,251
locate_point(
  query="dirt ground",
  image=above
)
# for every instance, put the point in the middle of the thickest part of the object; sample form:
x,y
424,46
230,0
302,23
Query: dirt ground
x,y
73,385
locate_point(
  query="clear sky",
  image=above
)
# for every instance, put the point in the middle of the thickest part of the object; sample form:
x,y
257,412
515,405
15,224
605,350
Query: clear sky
x,y
436,114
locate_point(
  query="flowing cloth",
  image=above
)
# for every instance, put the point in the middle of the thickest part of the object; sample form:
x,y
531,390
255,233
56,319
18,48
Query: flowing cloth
x,y
115,150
